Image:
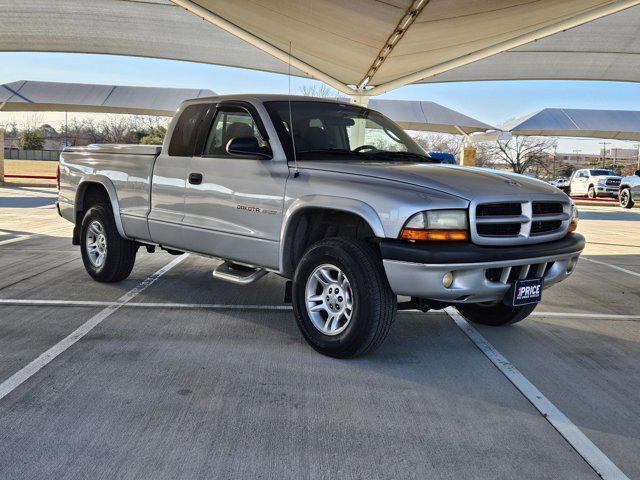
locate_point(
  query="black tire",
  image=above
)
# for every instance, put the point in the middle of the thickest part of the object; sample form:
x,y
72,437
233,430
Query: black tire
x,y
120,252
374,304
495,315
591,193
626,201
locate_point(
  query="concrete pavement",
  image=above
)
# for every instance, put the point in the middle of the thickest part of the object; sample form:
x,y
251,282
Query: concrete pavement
x,y
236,393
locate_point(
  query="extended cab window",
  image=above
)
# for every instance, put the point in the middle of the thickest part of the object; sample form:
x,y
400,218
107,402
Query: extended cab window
x,y
230,122
184,134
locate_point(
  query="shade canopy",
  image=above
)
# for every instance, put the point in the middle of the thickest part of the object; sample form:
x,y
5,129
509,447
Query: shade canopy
x,y
428,117
604,49
76,97
568,122
27,95
365,43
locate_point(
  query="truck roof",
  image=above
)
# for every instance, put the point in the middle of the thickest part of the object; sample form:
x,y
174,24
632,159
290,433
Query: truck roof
x,y
267,97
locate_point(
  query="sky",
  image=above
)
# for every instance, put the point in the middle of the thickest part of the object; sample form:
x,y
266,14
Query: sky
x,y
491,102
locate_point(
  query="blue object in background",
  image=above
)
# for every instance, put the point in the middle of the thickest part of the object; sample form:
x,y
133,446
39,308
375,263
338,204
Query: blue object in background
x,y
444,157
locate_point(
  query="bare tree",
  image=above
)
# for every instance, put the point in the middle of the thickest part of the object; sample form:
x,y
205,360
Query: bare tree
x,y
318,90
33,121
117,129
523,154
484,155
438,142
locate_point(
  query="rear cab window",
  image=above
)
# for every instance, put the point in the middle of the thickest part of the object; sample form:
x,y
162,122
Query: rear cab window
x,y
183,138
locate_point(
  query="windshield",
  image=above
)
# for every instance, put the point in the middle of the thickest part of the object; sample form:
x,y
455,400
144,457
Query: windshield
x,y
329,130
598,173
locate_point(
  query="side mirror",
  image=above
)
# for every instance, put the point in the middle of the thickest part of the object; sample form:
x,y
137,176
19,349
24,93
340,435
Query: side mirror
x,y
248,146
637,173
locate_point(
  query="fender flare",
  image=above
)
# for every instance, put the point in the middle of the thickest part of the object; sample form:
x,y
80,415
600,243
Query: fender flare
x,y
350,205
87,180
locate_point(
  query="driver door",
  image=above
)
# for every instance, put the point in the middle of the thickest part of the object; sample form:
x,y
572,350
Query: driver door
x,y
233,205
579,184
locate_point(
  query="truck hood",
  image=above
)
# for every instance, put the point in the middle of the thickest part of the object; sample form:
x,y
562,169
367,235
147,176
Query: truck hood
x,y
464,182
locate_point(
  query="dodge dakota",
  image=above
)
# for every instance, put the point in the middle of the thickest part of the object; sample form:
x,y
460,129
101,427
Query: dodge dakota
x,y
332,196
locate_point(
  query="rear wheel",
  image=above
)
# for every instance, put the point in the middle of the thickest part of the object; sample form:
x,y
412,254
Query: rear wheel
x,y
342,301
625,198
107,257
496,314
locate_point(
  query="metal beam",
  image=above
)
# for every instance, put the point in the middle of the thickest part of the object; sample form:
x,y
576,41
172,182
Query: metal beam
x,y
398,33
585,17
263,45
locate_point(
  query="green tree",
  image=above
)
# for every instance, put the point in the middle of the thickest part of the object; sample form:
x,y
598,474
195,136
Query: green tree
x,y
154,136
31,139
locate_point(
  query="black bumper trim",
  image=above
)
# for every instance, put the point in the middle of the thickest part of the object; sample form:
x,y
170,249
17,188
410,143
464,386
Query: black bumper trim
x,y
447,253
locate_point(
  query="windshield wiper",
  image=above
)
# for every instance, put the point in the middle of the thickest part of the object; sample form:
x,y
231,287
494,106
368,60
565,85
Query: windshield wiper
x,y
335,151
418,156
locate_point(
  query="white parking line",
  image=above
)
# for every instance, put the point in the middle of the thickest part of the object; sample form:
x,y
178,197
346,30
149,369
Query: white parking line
x,y
32,235
571,433
597,316
172,306
615,267
36,365
223,306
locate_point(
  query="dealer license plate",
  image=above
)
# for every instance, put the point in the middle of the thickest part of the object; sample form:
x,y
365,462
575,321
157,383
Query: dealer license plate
x,y
525,292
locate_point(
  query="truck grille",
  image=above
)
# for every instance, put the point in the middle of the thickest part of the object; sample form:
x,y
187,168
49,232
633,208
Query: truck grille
x,y
613,182
538,228
516,222
499,229
545,208
496,209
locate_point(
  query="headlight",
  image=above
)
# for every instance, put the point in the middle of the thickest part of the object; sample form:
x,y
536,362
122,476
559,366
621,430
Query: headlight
x,y
601,183
575,216
437,225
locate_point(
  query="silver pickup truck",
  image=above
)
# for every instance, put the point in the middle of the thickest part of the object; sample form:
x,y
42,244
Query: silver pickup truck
x,y
332,196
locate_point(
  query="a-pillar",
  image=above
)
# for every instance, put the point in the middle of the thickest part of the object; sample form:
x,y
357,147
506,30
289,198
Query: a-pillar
x,y
357,138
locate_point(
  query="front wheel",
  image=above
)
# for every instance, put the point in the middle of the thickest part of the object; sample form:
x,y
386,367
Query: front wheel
x,y
495,315
626,201
107,257
342,301
592,192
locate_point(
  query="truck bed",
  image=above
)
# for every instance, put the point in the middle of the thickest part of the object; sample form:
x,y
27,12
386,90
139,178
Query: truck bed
x,y
126,169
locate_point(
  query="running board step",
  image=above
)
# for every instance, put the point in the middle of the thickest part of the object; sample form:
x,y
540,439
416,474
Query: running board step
x,y
238,274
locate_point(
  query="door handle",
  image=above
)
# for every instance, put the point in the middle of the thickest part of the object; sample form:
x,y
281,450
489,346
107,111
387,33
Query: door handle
x,y
195,178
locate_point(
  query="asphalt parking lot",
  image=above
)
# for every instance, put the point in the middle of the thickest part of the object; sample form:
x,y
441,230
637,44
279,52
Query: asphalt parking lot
x,y
173,374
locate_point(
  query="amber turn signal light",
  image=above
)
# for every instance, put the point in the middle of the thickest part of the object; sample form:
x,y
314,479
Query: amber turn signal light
x,y
434,235
573,227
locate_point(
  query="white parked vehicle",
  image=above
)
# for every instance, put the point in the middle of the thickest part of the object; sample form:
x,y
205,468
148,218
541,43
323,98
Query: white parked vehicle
x,y
561,183
595,182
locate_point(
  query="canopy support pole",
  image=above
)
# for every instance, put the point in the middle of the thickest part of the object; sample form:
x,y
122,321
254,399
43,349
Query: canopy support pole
x,y
359,99
1,156
263,45
585,17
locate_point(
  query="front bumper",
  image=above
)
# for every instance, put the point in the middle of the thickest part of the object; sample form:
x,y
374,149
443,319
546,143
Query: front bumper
x,y
481,274
607,190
